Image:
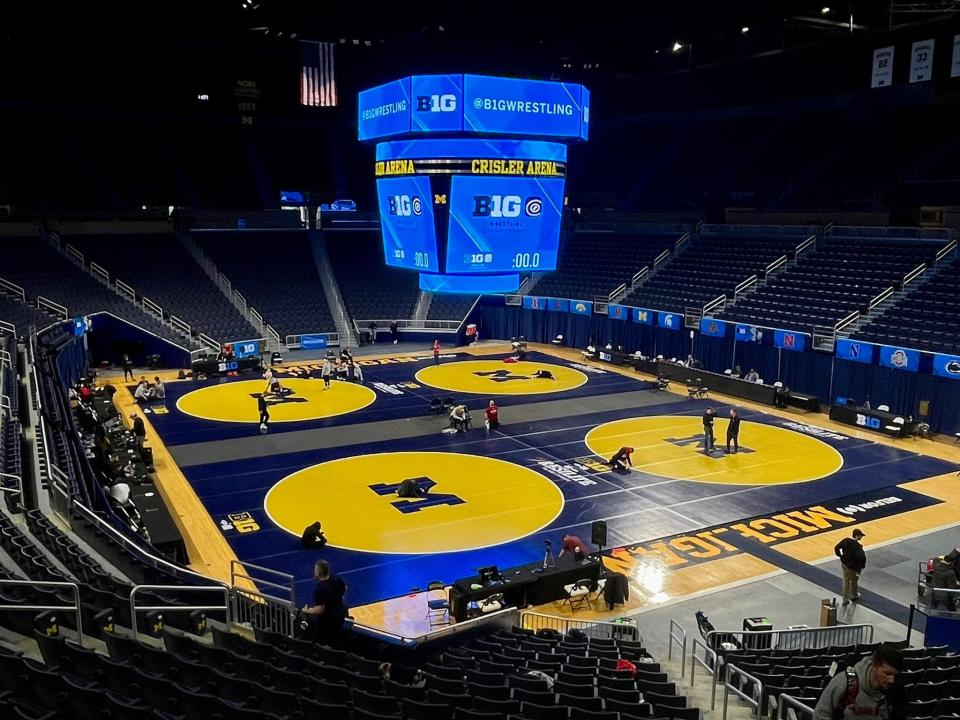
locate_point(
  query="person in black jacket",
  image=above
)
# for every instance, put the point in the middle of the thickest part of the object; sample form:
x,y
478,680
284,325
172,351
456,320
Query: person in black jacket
x,y
733,431
708,430
313,537
852,560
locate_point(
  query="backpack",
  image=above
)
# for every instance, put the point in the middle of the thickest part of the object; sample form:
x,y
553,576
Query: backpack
x,y
850,695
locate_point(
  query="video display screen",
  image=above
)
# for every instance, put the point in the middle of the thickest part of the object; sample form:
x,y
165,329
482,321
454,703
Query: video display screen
x,y
437,103
503,224
384,110
523,107
472,284
407,223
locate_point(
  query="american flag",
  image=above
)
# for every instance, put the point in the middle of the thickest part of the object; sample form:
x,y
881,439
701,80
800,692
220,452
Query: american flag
x,y
318,86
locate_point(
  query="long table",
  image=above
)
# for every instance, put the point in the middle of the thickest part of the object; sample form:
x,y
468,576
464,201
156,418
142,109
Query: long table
x,y
724,384
211,366
524,585
876,420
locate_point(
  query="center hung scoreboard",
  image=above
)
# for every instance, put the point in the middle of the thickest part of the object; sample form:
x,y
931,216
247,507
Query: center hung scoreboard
x,y
471,174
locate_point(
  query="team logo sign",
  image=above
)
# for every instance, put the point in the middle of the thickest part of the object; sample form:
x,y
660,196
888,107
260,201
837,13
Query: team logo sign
x,y
671,446
302,400
494,377
458,503
899,359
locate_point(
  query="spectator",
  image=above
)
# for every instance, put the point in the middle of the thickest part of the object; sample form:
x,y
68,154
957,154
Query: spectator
x,y
373,332
142,394
127,367
159,390
139,430
852,561
325,617
752,376
864,690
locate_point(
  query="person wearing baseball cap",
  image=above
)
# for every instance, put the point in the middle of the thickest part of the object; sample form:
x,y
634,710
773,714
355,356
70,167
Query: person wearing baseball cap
x,y
852,561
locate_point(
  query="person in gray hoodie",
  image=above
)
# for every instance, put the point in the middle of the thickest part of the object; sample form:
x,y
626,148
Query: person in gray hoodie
x,y
865,690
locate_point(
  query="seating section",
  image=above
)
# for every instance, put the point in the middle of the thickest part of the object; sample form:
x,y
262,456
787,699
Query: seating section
x,y
21,315
828,284
40,270
593,264
450,307
160,268
370,289
714,265
928,318
276,273
10,429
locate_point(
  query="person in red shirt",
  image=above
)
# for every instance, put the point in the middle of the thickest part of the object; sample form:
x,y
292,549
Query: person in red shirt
x,y
493,416
573,544
436,352
620,461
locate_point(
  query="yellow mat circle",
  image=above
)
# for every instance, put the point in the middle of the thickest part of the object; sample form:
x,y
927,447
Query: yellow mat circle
x,y
495,377
671,446
471,502
237,402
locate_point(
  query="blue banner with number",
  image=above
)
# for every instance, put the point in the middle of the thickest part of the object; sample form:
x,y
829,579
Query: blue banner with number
x,y
670,321
581,307
618,312
558,304
855,350
534,302
899,358
747,333
713,328
786,340
312,342
947,366
642,316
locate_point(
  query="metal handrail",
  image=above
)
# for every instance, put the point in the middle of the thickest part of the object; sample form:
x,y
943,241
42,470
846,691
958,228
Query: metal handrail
x,y
149,304
225,282
180,324
239,298
741,287
716,302
208,341
60,310
99,271
74,255
14,289
787,701
848,320
598,628
18,489
728,688
258,581
639,276
682,240
382,323
125,289
75,608
177,588
618,292
661,257
804,245
915,273
680,640
774,266
881,297
709,663
946,250
8,327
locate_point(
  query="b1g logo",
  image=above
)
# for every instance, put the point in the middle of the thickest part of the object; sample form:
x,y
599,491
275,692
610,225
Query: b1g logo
x,y
405,205
870,422
436,103
506,206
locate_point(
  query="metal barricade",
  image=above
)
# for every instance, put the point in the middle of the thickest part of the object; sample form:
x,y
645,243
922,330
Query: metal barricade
x,y
681,640
785,702
75,608
593,629
262,597
175,589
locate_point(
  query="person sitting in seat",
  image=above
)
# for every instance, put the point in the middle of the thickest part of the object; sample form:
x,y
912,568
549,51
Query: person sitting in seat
x,y
752,376
158,391
590,353
459,418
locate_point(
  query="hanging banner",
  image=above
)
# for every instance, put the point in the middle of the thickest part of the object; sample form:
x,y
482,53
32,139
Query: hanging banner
x,y
855,350
947,366
558,304
618,312
581,307
534,302
747,333
786,340
713,328
921,61
642,316
899,358
955,65
882,67
670,321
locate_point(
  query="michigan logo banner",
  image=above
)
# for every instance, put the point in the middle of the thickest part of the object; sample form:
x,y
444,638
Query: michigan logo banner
x,y
713,328
855,350
644,317
786,340
899,358
534,302
947,366
670,321
747,333
558,305
618,312
581,307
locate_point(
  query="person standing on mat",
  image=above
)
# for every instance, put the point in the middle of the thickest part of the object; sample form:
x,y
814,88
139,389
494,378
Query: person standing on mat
x,y
127,367
733,431
436,352
262,409
493,416
708,416
325,372
852,561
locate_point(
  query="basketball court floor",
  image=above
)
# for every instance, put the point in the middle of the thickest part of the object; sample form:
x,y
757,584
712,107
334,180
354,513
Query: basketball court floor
x,y
680,522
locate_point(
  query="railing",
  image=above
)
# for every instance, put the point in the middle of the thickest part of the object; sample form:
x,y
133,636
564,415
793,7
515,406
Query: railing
x,y
74,254
505,618
744,286
99,272
848,320
718,302
805,245
683,240
692,317
263,597
180,325
774,266
257,317
152,308
513,300
640,277
5,357
600,630
225,282
618,293
409,325
275,336
7,327
15,290
209,342
708,663
785,702
60,483
600,306
824,337
914,274
292,342
728,687
880,298
175,589
239,298
75,608
7,405
56,308
678,639
661,258
946,250
18,490
125,289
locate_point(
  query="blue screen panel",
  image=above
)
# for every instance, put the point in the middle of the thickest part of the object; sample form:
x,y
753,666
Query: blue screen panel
x,y
584,114
437,103
526,107
472,148
899,358
472,284
503,224
384,110
406,221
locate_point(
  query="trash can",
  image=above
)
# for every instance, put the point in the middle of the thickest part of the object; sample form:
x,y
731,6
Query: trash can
x,y
759,642
828,612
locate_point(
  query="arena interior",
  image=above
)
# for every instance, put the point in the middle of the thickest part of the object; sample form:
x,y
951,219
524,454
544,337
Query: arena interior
x,y
586,334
